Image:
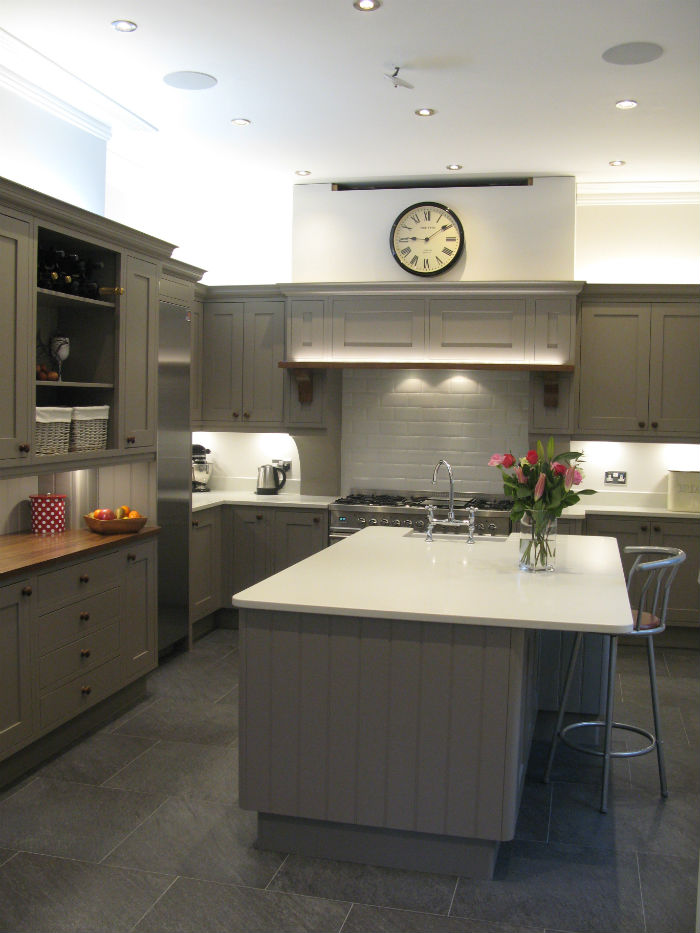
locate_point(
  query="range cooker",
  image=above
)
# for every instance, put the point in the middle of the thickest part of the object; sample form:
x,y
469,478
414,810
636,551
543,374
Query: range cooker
x,y
361,509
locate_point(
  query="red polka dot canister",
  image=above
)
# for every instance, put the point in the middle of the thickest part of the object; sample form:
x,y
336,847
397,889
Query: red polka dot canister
x,y
48,514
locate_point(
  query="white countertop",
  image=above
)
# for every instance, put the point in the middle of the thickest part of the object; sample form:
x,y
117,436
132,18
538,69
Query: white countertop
x,y
389,573
207,500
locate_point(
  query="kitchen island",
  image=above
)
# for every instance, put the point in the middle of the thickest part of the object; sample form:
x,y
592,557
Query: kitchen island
x,y
388,692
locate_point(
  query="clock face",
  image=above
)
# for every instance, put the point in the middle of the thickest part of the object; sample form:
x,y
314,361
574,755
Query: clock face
x,y
426,238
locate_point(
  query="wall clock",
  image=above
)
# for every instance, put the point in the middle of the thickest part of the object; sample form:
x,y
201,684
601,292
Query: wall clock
x,y
426,238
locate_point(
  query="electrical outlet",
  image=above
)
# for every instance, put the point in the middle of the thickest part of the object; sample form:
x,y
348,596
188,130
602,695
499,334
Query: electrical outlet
x,y
285,465
615,477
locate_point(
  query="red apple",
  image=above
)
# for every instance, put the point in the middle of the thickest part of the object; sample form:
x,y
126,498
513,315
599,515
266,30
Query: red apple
x,y
104,515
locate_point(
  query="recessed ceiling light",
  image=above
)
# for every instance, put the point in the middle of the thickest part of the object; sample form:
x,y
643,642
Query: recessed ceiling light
x,y
240,121
453,167
626,104
367,6
123,25
190,80
633,53
616,163
302,171
425,112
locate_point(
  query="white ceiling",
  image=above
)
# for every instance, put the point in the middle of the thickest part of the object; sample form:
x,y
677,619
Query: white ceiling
x,y
520,88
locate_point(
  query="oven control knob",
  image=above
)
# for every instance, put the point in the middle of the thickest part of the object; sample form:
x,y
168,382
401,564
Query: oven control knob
x,y
361,521
420,524
372,521
397,521
385,521
408,522
492,528
480,527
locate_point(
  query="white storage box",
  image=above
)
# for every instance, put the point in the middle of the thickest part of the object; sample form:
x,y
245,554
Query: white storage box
x,y
683,491
53,430
88,427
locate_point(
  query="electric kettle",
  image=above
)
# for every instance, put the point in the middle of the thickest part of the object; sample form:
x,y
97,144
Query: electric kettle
x,y
270,480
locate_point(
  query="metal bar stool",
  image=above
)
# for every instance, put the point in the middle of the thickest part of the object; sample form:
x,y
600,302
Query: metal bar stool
x,y
653,572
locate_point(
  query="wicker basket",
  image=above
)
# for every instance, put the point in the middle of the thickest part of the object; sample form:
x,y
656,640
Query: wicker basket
x,y
53,430
88,427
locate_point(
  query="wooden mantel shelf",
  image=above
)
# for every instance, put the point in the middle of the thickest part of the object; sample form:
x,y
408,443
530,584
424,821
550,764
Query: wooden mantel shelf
x,y
302,370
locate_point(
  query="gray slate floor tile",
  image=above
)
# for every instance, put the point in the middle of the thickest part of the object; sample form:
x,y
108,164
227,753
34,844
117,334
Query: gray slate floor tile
x,y
96,758
368,884
669,893
557,887
389,920
199,839
72,820
535,806
43,893
178,720
183,768
203,907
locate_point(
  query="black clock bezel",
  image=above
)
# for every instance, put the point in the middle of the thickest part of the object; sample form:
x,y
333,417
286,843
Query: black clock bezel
x,y
450,263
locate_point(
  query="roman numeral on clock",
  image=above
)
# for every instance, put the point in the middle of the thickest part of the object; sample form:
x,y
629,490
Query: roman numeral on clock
x,y
447,251
414,261
406,250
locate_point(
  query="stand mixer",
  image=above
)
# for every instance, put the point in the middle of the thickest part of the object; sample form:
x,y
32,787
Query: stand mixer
x,y
201,468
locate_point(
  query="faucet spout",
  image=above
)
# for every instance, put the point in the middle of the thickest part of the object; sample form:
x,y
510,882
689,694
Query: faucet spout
x,y
451,504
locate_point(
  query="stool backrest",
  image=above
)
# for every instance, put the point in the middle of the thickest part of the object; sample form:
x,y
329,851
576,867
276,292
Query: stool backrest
x,y
654,570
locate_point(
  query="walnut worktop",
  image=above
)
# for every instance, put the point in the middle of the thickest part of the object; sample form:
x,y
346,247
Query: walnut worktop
x,y
20,553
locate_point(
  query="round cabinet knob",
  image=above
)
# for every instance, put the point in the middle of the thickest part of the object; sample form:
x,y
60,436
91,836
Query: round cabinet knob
x,y
84,652
316,520
24,448
641,424
657,528
235,414
246,414
84,578
645,528
26,591
131,439
259,516
195,523
654,424
86,691
84,616
131,556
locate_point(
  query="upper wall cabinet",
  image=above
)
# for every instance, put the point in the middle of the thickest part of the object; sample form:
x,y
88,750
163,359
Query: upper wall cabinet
x,y
81,335
639,374
242,344
377,327
478,329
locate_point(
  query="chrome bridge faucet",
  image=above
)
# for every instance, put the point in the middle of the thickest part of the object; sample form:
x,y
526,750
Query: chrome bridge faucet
x,y
450,521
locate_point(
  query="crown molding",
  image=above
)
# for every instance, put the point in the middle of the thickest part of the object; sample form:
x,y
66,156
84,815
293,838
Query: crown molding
x,y
628,194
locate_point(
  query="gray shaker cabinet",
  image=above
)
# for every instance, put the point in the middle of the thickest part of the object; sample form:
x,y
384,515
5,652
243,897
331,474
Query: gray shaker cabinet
x,y
205,563
140,352
638,369
297,534
242,344
16,707
15,331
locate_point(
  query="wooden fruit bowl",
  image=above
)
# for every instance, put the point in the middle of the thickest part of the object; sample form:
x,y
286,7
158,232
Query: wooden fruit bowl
x,y
114,526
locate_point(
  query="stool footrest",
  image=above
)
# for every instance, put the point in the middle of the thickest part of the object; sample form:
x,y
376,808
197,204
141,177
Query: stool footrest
x,y
601,725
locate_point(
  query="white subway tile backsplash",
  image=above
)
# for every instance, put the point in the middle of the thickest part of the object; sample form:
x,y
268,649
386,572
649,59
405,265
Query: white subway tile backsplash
x,y
396,425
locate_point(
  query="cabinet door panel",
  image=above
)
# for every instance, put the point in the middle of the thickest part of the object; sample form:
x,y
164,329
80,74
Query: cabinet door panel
x,y
475,329
16,717
614,369
222,356
139,652
139,389
674,391
305,337
250,546
15,317
263,348
684,603
196,363
297,534
374,327
554,330
205,563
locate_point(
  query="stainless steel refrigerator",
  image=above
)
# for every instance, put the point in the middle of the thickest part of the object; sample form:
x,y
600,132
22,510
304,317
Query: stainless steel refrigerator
x,y
174,474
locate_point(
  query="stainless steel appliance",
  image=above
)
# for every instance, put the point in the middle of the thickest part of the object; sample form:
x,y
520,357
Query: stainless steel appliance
x,y
201,468
270,480
174,470
361,509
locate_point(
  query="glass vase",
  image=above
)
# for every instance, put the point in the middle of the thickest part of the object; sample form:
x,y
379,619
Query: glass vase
x,y
538,542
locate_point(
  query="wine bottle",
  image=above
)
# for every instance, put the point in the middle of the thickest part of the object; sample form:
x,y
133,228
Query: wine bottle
x,y
105,292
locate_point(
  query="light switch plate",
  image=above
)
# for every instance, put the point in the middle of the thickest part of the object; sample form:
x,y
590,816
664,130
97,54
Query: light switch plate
x,y
615,477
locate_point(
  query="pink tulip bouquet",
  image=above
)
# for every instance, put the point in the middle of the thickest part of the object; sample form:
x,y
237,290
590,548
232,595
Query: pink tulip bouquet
x,y
541,486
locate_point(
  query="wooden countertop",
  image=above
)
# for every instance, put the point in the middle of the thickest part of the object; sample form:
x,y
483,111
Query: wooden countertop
x,y
21,553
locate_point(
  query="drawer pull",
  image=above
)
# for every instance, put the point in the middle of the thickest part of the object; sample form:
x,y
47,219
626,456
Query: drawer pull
x,y
84,616
641,423
84,652
131,439
84,578
86,690
26,591
259,516
130,556
195,523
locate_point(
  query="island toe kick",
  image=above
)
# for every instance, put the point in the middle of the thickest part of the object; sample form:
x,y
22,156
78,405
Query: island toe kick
x,y
386,741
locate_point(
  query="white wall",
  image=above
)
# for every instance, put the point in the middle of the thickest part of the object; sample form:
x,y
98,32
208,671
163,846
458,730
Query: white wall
x,y
42,151
236,458
516,233
398,423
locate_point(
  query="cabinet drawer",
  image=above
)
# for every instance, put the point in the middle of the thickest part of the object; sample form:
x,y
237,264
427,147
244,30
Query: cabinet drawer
x,y
83,577
78,695
79,657
77,619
